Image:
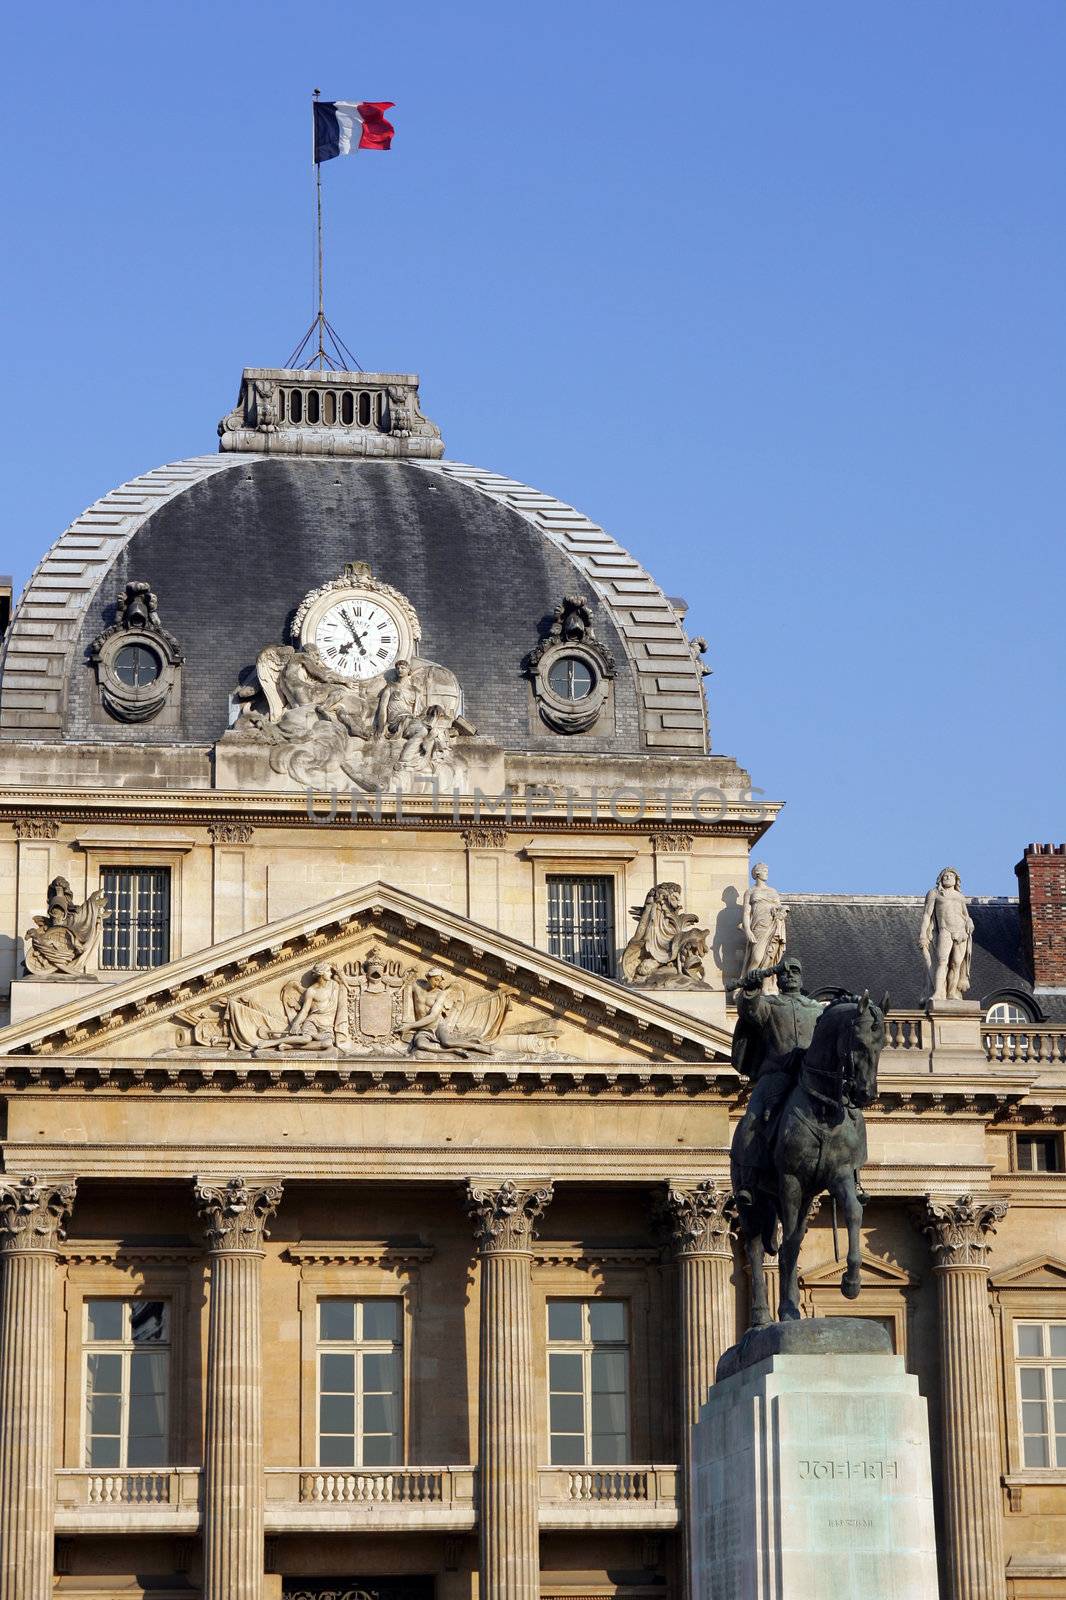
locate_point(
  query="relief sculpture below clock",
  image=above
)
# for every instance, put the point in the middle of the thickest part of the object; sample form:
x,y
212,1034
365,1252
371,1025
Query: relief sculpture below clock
x,y
350,700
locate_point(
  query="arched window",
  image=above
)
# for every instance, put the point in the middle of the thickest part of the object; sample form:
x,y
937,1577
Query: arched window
x,y
1007,1014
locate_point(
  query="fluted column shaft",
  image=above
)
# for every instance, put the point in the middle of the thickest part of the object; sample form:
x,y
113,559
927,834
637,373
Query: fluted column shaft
x,y
504,1216
31,1216
699,1217
235,1215
960,1231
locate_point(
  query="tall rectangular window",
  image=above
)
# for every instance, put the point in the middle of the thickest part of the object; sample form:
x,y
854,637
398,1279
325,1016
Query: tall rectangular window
x,y
581,921
137,928
588,1382
1039,1152
127,1381
1041,1352
360,1382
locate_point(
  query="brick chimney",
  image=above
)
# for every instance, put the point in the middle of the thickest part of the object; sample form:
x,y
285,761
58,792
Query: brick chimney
x,y
1042,896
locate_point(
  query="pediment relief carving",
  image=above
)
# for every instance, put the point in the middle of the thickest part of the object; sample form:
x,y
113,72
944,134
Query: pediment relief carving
x,y
1039,1272
377,974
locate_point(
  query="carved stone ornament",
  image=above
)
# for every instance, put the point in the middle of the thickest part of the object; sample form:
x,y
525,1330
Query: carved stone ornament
x,y
960,1230
235,1213
35,828
372,1006
137,662
350,701
667,949
946,937
570,671
231,832
700,1217
484,838
678,844
297,412
33,1212
60,942
505,1215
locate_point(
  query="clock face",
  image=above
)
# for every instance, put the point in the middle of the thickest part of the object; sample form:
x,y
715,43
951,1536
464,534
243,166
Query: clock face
x,y
358,637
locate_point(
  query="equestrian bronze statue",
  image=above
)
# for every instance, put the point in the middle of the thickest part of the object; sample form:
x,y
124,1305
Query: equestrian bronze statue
x,y
813,1068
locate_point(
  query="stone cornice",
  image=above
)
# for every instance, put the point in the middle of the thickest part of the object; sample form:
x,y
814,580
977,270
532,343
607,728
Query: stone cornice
x,y
109,1252
960,1227
360,1253
586,1256
235,1212
33,1212
505,1214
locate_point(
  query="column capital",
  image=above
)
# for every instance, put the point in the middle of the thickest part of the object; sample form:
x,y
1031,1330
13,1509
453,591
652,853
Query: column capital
x,y
699,1216
505,1214
960,1227
235,1211
34,1211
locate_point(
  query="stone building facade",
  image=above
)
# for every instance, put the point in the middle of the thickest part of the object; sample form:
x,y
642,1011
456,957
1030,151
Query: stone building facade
x,y
370,903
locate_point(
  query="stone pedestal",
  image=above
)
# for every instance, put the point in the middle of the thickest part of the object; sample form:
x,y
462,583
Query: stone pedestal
x,y
955,1028
504,1217
811,1470
30,996
235,1215
32,1212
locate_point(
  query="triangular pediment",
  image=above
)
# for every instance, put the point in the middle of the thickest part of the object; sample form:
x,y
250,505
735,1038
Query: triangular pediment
x,y
877,1273
374,974
1039,1272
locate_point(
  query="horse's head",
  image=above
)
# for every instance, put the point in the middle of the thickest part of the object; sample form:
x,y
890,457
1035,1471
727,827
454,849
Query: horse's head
x,y
847,1044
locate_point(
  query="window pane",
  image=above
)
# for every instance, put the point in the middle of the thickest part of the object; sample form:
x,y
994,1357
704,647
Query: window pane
x,y
381,1319
1030,1339
564,1372
1034,1417
336,1451
1058,1382
105,1414
564,1319
609,1372
609,1413
1057,1331
1036,1453
567,1413
337,1373
336,1413
608,1449
380,1450
336,1319
104,1452
1032,1383
104,1374
381,1413
147,1451
148,1394
568,1450
148,1321
105,1318
607,1319
381,1372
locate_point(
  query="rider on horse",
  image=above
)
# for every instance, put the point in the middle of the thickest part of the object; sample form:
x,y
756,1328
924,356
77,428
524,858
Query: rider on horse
x,y
772,1032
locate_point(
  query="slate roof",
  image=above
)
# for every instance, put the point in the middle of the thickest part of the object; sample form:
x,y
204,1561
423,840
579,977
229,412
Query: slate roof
x,y
871,942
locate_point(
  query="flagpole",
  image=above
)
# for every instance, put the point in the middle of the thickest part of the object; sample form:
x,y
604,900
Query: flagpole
x,y
321,318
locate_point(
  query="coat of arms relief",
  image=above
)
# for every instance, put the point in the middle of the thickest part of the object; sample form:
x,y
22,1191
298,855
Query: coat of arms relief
x,y
372,1006
351,700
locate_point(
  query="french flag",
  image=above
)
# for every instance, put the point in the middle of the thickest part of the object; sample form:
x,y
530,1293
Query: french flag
x,y
341,126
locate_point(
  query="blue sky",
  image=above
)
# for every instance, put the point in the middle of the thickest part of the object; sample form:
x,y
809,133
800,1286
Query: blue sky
x,y
772,289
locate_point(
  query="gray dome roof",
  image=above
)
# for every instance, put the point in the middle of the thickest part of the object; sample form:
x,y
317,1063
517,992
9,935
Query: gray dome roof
x,y
232,543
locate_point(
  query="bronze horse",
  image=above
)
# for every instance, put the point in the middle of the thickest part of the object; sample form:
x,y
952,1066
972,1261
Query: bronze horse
x,y
818,1144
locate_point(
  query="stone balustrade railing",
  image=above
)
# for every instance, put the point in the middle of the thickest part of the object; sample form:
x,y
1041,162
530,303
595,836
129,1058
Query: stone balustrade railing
x,y
395,1486
906,1030
162,1497
1028,1043
386,1498
633,1496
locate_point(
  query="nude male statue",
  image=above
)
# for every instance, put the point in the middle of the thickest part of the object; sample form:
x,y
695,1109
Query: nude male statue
x,y
946,937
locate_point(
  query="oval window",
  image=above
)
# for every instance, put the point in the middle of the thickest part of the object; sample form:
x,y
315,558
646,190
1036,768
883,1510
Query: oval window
x,y
570,678
136,666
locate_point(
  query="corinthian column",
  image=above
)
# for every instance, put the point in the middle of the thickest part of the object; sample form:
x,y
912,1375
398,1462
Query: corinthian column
x,y
699,1217
504,1218
32,1213
959,1230
235,1215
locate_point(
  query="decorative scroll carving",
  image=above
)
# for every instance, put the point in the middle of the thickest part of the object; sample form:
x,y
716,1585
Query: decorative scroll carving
x,y
231,832
672,843
946,937
350,699
960,1230
235,1213
136,660
34,1211
35,827
60,942
505,1215
667,949
700,1217
373,1006
569,670
484,838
